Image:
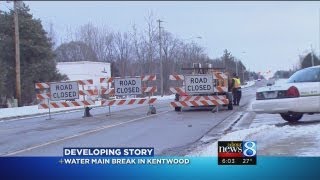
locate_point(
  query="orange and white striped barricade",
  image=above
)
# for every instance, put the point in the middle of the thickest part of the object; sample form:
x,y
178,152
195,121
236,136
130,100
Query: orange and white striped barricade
x,y
200,90
128,86
221,82
64,94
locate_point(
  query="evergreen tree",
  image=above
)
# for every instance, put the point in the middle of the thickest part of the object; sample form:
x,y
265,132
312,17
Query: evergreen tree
x,y
307,61
36,55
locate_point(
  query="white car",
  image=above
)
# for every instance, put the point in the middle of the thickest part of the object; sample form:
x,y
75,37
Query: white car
x,y
299,95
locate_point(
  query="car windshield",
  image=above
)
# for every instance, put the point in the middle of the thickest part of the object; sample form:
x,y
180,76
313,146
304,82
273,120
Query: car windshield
x,y
306,75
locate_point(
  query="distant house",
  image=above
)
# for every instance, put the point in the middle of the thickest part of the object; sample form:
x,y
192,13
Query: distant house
x,y
84,70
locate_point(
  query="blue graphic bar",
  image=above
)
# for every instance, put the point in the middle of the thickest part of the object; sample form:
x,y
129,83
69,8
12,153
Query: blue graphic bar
x,y
197,168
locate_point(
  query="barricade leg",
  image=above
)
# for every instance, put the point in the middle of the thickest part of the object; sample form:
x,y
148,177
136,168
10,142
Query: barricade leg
x,y
49,110
109,111
87,112
152,110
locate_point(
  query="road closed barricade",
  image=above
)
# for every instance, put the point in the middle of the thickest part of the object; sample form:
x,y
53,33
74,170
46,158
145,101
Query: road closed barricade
x,y
128,91
200,90
64,94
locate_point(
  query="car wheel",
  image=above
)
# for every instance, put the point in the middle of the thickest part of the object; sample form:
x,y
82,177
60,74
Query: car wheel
x,y
291,116
177,108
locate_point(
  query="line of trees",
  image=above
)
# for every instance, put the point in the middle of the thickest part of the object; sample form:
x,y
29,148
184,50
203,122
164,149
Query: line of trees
x,y
304,62
131,53
136,52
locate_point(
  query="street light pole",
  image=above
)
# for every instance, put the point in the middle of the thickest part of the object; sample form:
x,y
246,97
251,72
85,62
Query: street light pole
x,y
160,55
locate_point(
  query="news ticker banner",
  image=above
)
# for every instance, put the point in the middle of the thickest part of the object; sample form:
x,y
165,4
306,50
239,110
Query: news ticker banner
x,y
229,153
140,162
198,167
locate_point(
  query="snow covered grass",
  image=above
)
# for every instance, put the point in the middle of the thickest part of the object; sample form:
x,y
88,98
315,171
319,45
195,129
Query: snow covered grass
x,y
167,97
33,110
289,140
241,135
297,140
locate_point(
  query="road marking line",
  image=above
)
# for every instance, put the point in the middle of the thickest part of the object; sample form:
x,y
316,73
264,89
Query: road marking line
x,y
81,134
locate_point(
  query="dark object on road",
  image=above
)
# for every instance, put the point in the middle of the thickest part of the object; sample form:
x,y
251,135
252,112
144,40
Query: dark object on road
x,y
177,96
87,112
152,110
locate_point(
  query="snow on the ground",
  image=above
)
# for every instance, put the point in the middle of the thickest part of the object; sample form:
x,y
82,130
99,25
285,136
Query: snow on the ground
x,y
166,97
294,140
33,110
241,135
249,83
288,140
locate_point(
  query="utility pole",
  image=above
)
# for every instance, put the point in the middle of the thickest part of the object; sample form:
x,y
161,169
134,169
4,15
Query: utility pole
x,y
160,54
236,66
17,50
243,53
242,75
312,60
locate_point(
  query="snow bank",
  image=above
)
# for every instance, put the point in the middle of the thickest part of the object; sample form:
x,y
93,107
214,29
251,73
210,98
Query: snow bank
x,y
304,138
167,97
274,140
241,135
33,110
249,83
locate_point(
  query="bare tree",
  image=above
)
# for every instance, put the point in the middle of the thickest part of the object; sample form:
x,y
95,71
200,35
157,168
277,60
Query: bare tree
x,y
123,50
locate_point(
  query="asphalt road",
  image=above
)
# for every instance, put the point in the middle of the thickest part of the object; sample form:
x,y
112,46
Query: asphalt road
x,y
169,132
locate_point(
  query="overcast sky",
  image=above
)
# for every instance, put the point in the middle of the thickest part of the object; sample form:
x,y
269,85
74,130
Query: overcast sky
x,y
272,34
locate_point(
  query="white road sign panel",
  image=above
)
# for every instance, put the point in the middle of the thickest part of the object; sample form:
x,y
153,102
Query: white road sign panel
x,y
127,86
198,83
64,91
